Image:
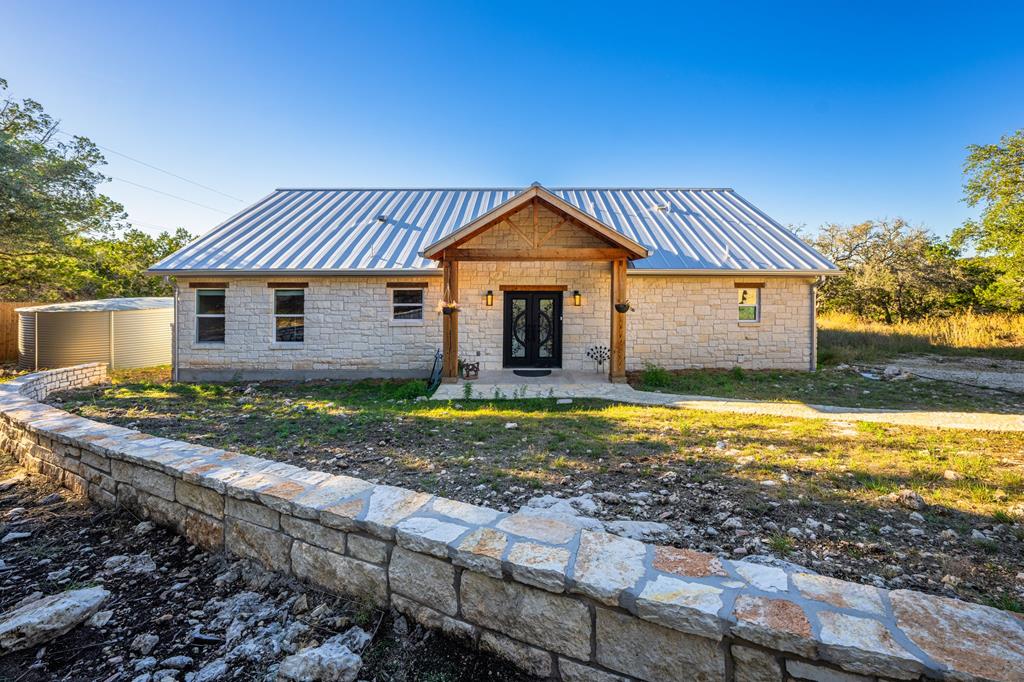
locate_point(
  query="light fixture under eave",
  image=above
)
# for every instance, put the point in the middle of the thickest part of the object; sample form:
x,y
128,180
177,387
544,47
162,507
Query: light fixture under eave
x,y
489,298
577,299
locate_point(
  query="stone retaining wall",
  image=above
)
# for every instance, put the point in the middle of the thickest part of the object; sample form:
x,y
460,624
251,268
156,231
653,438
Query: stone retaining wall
x,y
558,600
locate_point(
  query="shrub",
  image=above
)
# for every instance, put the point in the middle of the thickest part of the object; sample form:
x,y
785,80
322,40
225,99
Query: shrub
x,y
656,376
409,389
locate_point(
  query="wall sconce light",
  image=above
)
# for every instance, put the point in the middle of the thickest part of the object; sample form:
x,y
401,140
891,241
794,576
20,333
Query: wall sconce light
x,y
489,298
577,300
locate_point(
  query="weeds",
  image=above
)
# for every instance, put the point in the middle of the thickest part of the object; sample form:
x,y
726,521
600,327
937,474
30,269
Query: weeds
x,y
843,337
655,376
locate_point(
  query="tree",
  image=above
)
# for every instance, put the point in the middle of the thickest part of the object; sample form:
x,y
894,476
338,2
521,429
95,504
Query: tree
x,y
60,239
994,179
892,271
104,267
48,194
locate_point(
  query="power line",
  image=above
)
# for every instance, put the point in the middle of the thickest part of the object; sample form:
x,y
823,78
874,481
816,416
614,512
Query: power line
x,y
168,194
157,168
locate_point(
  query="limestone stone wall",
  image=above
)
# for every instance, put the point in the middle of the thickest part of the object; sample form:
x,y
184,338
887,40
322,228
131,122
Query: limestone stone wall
x,y
682,322
348,331
560,601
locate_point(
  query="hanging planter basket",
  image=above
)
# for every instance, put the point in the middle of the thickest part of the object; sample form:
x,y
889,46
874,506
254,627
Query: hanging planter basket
x,y
622,307
449,308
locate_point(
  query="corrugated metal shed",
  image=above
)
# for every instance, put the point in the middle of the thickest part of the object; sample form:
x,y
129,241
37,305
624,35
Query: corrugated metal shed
x,y
332,230
125,332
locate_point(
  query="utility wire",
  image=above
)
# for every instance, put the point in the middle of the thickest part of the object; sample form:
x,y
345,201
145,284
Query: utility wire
x,y
165,172
168,194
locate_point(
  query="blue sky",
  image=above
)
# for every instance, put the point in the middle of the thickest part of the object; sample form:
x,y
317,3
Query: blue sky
x,y
816,112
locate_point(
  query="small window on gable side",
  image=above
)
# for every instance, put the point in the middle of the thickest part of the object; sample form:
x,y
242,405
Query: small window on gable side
x,y
407,305
749,304
289,315
209,316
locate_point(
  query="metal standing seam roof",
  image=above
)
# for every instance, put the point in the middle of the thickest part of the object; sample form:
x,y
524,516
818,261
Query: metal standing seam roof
x,y
339,230
103,304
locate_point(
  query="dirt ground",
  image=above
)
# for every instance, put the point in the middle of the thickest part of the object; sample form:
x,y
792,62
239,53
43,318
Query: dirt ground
x,y
195,605
992,373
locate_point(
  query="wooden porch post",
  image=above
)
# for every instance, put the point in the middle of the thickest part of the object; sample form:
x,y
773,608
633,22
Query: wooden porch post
x,y
450,342
619,294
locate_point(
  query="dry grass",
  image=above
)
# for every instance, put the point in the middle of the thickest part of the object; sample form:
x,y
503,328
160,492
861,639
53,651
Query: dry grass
x,y
847,338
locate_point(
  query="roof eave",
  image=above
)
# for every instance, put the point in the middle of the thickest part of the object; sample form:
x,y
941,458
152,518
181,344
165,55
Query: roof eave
x,y
185,272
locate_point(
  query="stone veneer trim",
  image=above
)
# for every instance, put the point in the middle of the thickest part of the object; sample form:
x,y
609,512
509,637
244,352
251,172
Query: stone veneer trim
x,y
792,616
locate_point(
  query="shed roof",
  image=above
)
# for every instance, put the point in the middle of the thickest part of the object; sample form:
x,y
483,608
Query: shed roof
x,y
386,230
138,303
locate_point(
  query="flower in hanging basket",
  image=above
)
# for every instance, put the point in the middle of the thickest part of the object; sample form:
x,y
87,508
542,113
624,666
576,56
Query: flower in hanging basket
x,y
448,307
622,307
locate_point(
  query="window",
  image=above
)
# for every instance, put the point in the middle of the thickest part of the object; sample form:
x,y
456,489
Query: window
x,y
407,304
750,304
210,316
289,315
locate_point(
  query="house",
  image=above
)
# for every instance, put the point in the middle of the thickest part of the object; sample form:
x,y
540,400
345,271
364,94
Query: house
x,y
325,283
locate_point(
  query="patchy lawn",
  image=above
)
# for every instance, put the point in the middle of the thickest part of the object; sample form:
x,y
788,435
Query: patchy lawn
x,y
807,490
845,387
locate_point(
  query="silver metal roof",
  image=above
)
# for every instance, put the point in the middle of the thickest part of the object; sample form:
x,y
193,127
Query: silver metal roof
x,y
338,230
138,303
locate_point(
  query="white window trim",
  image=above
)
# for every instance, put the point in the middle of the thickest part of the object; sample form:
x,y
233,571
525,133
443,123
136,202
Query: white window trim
x,y
407,323
273,331
756,304
195,338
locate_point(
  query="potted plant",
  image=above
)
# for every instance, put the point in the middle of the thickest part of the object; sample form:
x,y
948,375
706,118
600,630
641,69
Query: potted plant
x,y
449,307
622,307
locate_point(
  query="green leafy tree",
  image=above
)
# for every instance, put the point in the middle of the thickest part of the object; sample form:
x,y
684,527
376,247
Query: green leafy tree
x,y
994,180
48,194
892,271
60,239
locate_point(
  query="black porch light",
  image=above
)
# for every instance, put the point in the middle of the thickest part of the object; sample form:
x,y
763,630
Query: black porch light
x,y
489,298
577,299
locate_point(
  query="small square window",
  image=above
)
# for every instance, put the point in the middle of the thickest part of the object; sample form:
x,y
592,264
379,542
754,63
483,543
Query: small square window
x,y
209,316
407,304
749,304
289,315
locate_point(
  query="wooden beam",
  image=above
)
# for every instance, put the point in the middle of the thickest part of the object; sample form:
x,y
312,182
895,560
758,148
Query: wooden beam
x,y
533,287
547,235
287,285
515,227
748,285
450,341
567,254
407,285
619,294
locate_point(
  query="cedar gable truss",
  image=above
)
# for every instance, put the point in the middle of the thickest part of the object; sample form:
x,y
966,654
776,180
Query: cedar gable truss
x,y
533,238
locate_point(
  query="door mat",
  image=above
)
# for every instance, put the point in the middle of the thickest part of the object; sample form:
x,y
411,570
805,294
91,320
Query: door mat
x,y
531,372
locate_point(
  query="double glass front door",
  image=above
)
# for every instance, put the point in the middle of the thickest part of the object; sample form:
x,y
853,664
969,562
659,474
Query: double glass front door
x,y
533,329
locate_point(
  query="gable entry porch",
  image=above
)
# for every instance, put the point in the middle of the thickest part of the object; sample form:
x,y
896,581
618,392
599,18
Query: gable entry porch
x,y
534,283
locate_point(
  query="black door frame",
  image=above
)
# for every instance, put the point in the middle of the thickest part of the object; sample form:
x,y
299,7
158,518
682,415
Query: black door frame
x,y
532,308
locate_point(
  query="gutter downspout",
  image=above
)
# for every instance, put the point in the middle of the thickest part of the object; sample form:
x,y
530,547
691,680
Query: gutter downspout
x,y
813,295
174,338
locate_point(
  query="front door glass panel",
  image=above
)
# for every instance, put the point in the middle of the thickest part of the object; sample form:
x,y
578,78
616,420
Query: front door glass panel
x,y
533,329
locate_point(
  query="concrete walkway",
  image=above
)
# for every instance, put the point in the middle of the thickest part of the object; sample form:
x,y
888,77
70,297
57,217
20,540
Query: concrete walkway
x,y
594,386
